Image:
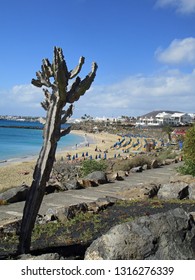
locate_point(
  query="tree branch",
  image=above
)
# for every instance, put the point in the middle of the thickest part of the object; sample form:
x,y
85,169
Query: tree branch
x,y
45,105
65,131
60,72
47,68
67,114
77,69
41,80
80,87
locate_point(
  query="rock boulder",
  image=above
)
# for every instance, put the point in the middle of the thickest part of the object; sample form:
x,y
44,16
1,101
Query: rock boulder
x,y
94,179
98,176
136,169
177,190
15,194
154,164
49,256
191,190
163,236
140,192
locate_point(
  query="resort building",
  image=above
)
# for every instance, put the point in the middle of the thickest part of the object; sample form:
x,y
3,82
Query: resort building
x,y
147,122
181,118
192,115
165,118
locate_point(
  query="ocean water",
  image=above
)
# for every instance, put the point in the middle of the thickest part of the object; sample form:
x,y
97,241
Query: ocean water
x,y
16,143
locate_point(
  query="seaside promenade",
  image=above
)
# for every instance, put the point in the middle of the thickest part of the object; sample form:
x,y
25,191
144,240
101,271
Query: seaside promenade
x,y
53,202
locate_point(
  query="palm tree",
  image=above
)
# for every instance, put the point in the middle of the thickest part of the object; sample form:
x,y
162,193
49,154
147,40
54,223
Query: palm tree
x,y
168,129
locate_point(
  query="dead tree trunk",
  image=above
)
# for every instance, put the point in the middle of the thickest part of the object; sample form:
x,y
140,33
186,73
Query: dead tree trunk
x,y
54,104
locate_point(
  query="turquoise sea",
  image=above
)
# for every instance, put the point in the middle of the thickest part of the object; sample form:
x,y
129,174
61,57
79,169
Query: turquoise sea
x,y
17,143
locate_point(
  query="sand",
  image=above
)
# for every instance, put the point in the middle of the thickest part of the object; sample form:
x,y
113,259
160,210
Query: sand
x,y
16,173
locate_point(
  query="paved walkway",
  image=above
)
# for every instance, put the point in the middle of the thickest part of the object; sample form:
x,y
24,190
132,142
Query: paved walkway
x,y
54,201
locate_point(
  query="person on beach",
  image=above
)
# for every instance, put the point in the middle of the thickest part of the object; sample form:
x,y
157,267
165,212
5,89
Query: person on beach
x,y
68,156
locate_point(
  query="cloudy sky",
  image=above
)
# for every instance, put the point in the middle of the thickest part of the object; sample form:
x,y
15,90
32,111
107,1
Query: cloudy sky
x,y
145,51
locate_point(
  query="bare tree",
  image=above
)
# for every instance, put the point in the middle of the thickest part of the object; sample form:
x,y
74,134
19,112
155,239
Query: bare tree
x,y
56,77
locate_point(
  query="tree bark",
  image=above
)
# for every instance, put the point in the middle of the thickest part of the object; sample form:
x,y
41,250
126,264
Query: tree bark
x,y
41,175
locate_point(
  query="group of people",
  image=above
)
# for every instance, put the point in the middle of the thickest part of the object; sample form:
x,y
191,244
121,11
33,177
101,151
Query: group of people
x,y
86,156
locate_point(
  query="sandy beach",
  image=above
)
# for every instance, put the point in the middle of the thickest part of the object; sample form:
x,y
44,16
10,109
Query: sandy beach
x,y
15,173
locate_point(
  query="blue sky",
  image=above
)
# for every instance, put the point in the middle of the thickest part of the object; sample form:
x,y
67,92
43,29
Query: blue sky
x,y
145,51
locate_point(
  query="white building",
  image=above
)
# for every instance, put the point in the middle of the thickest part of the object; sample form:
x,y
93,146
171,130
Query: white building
x,y
165,118
192,115
147,121
181,118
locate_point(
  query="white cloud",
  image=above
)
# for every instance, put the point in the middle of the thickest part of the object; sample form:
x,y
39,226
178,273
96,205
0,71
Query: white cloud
x,y
140,94
181,6
178,52
27,94
136,95
21,100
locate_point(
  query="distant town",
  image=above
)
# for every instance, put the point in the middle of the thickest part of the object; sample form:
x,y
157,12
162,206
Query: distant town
x,y
153,119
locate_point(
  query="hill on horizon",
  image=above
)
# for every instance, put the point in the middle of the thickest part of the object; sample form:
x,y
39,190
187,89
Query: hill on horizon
x,y
156,112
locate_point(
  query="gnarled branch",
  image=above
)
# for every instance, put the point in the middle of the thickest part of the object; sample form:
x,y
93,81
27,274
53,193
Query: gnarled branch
x,y
77,69
79,87
65,131
67,114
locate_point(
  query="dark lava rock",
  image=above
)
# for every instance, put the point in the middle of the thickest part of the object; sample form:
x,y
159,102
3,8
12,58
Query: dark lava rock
x,y
163,236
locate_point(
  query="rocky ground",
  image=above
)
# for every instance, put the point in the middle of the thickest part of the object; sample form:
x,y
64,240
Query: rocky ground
x,y
70,233
71,238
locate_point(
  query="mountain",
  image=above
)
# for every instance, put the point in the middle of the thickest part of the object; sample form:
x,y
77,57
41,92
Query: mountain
x,y
154,113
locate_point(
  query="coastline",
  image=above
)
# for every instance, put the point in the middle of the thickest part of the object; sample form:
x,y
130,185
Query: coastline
x,y
18,171
86,139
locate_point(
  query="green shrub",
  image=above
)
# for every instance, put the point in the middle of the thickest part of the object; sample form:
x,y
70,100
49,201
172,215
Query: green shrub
x,y
189,144
89,166
189,152
187,168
